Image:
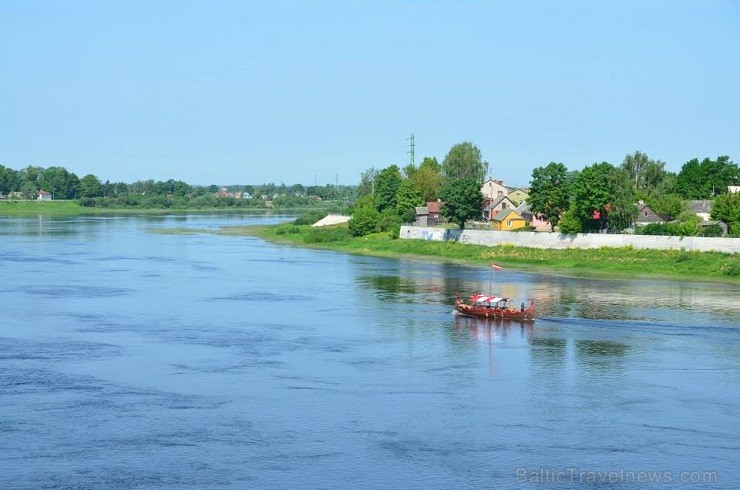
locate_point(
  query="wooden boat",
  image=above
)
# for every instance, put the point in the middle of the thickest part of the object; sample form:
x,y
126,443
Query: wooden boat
x,y
495,307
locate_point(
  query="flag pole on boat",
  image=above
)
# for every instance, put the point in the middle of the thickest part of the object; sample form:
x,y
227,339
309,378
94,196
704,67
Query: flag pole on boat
x,y
494,267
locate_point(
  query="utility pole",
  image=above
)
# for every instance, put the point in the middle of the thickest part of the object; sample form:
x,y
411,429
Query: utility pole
x,y
411,151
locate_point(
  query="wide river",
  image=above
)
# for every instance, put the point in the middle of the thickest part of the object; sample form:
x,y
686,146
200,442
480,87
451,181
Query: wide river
x,y
136,359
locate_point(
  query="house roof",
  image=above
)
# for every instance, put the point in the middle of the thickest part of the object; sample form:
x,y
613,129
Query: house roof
x,y
433,206
504,213
421,210
44,193
497,201
703,206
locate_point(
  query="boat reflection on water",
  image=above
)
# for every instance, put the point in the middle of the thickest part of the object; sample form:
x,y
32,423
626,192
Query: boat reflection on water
x,y
493,328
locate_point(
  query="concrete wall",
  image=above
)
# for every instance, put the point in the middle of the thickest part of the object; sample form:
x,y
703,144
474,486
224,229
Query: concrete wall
x,y
557,240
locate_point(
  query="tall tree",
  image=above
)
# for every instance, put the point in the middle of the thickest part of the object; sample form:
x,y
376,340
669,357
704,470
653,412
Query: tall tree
x,y
90,186
461,201
60,182
645,174
708,178
622,210
549,197
386,188
407,199
464,161
592,196
367,182
428,179
727,208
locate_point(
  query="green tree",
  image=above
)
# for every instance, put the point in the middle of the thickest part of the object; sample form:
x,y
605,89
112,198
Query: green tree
x,y
365,217
708,178
61,183
367,182
408,198
669,206
727,208
592,195
461,200
569,224
428,179
386,188
549,197
464,161
90,186
645,174
622,210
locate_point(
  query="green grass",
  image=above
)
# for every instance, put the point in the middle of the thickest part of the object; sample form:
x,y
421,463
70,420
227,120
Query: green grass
x,y
23,209
623,262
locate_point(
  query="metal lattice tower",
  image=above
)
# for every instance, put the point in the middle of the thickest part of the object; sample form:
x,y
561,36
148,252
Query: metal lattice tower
x,y
411,151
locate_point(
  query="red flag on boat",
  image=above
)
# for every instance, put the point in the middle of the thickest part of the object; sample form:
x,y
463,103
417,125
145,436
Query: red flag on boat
x,y
496,267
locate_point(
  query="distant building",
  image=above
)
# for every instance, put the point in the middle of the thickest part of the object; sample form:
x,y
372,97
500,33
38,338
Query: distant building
x,y
507,220
493,189
44,196
645,215
702,209
518,196
428,215
2,196
491,207
526,213
733,189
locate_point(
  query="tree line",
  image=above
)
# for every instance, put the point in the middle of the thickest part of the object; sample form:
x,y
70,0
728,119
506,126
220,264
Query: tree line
x,y
91,192
388,197
604,197
600,197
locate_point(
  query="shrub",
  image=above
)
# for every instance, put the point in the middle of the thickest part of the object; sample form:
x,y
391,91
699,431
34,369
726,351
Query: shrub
x,y
310,217
569,224
365,220
327,234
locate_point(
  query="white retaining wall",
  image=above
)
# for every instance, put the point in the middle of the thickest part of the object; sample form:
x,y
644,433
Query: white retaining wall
x,y
581,240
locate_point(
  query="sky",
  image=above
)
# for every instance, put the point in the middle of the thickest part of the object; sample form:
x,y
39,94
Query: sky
x,y
318,91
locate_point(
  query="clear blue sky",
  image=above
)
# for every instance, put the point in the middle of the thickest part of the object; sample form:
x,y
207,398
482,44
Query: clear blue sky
x,y
249,92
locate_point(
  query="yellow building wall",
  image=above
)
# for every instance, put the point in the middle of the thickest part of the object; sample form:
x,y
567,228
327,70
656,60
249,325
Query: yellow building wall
x,y
511,222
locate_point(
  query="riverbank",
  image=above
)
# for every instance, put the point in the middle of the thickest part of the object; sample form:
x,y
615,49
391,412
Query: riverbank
x,y
25,209
602,262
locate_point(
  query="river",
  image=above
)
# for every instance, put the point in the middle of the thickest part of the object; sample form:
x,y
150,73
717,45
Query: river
x,y
132,359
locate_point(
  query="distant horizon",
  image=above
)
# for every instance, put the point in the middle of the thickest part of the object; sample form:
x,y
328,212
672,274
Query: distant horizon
x,y
320,91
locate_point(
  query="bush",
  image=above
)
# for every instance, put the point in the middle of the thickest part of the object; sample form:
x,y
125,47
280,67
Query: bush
x,y
365,220
569,224
310,217
711,230
327,234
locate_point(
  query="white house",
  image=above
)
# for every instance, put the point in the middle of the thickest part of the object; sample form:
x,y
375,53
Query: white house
x,y
44,196
493,189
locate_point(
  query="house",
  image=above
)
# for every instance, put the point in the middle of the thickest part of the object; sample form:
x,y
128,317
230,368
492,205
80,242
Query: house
x,y
507,220
645,215
491,207
492,189
526,213
428,215
733,189
702,209
2,196
44,196
518,196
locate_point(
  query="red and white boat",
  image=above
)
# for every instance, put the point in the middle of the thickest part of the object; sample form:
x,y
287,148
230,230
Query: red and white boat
x,y
490,306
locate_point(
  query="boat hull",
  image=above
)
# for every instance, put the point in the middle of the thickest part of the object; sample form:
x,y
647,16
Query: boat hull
x,y
480,311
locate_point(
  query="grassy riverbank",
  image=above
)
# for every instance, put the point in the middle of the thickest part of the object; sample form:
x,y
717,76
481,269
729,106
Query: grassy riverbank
x,y
24,209
602,262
